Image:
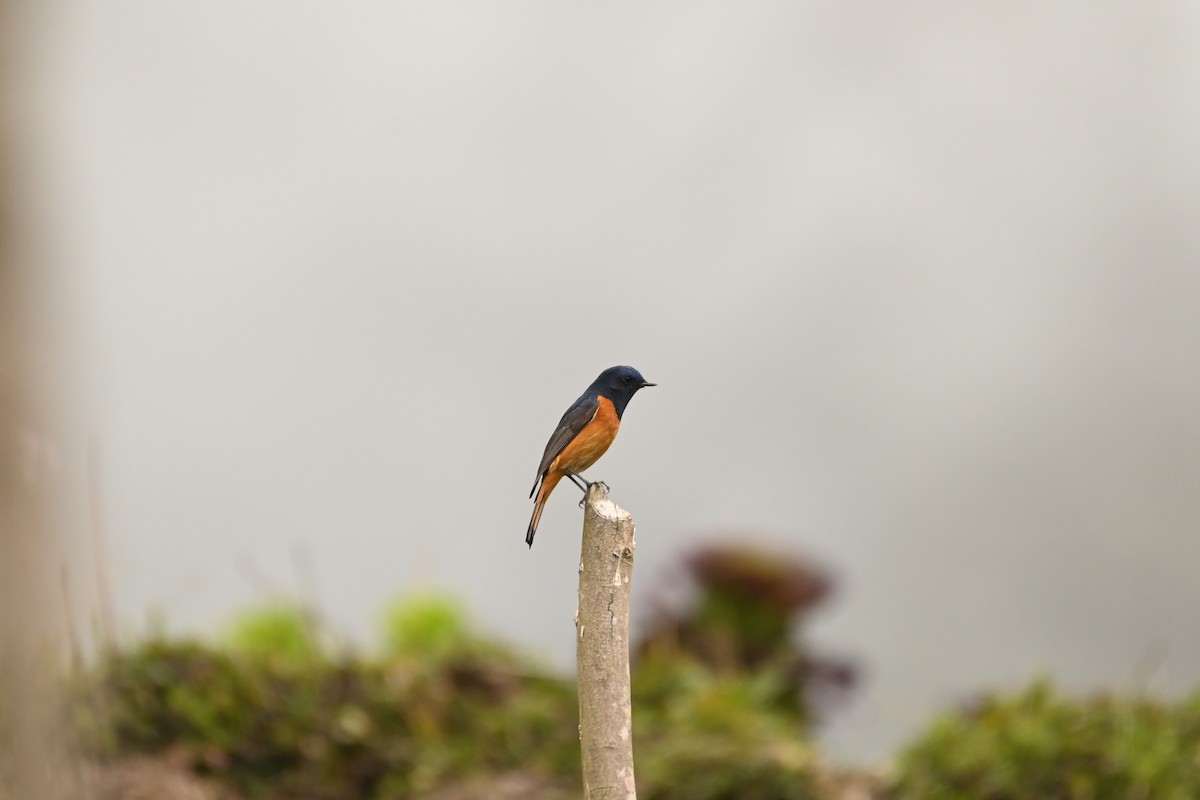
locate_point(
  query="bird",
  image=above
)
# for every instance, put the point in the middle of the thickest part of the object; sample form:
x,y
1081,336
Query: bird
x,y
583,435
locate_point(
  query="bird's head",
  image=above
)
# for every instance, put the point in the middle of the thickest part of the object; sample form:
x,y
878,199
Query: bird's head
x,y
619,384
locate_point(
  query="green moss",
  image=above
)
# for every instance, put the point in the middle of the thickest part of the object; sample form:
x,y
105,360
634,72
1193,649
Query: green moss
x,y
276,717
705,734
1039,744
280,630
429,626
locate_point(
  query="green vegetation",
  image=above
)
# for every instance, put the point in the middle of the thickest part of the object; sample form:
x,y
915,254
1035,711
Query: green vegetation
x,y
721,686
299,723
1039,744
276,715
428,626
726,695
281,631
700,734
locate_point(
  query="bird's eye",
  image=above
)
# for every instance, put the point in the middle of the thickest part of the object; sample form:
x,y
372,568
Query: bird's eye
x,y
628,379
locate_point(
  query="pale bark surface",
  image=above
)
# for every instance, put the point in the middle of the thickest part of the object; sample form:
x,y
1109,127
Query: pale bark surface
x,y
602,648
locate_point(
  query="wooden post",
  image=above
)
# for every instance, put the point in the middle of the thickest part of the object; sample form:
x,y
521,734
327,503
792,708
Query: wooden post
x,y
602,648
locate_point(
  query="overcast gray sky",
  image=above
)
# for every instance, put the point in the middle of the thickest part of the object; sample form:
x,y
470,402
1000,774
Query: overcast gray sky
x,y
919,283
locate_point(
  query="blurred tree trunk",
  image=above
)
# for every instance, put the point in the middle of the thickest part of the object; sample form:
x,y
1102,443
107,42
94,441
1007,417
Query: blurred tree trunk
x,y
29,769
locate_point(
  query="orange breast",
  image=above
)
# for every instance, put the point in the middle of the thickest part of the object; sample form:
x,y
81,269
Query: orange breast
x,y
592,441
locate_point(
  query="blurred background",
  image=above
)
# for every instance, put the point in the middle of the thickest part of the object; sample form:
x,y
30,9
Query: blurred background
x,y
918,283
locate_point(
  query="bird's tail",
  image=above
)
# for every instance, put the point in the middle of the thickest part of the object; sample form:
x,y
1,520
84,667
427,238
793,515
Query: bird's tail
x,y
549,481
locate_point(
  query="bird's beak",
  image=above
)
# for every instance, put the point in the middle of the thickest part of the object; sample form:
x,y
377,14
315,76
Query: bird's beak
x,y
647,383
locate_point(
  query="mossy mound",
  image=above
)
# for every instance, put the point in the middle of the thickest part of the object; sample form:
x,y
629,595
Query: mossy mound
x,y
1040,744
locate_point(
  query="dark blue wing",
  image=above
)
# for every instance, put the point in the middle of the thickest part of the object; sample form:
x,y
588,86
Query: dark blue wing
x,y
576,419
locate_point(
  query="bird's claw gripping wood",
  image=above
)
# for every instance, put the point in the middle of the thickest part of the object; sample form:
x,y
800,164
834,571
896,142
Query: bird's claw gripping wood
x,y
585,486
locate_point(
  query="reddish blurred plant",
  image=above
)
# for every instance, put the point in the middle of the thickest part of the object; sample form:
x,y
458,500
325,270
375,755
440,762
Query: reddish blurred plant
x,y
747,606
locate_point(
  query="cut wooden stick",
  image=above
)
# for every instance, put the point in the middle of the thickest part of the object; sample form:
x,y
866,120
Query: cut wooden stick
x,y
602,648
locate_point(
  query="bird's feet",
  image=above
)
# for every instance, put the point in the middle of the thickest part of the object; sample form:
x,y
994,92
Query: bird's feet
x,y
584,484
578,480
